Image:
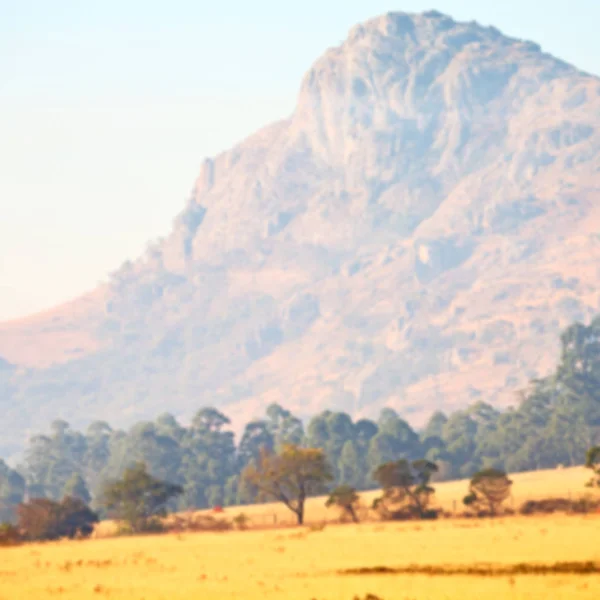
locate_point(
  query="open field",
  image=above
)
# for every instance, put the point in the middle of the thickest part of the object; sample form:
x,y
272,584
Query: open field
x,y
534,485
300,564
470,559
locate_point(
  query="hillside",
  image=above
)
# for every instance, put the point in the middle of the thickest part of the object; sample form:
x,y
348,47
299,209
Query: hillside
x,y
416,234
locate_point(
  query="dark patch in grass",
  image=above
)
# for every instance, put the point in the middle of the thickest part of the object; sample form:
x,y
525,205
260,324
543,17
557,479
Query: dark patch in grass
x,y
483,569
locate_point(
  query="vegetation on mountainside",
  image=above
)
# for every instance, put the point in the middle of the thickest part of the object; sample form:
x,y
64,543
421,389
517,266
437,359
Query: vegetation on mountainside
x,y
556,422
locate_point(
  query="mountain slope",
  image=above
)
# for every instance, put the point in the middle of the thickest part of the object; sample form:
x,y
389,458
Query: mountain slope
x,y
415,234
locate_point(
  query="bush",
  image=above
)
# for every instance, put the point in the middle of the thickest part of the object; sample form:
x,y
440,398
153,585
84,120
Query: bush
x,y
552,505
44,519
194,523
9,535
241,521
346,500
406,490
153,525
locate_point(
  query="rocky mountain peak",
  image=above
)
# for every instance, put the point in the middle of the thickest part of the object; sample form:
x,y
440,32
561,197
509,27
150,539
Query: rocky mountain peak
x,y
401,70
416,235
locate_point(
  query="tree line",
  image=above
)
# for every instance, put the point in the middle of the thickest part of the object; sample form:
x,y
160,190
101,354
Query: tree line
x,y
555,422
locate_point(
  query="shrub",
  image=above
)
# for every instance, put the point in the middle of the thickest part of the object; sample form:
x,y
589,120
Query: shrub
x,y
44,519
406,490
552,505
241,521
139,498
9,535
197,523
346,500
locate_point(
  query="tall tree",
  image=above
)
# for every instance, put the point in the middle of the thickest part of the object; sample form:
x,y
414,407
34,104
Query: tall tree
x,y
350,468
76,488
12,491
290,476
256,437
208,458
284,426
138,498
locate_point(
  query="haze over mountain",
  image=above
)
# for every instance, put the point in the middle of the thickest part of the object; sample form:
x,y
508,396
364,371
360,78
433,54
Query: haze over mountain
x,y
415,235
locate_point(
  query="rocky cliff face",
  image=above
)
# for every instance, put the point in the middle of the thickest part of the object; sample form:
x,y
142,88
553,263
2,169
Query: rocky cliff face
x,y
416,234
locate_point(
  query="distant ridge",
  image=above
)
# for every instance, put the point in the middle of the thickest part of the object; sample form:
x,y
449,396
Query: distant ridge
x,y
416,235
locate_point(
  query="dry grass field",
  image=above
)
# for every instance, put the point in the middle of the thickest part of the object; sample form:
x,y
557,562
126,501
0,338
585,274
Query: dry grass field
x,y
534,485
300,564
466,559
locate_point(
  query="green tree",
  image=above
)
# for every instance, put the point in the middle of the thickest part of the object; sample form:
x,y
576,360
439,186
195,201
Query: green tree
x,y
208,459
98,439
394,440
166,424
144,443
138,498
76,488
12,490
289,476
284,426
256,437
488,489
592,461
345,498
435,426
406,489
350,468
460,436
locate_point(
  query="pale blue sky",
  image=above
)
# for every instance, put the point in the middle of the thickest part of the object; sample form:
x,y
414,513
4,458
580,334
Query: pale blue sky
x,y
107,109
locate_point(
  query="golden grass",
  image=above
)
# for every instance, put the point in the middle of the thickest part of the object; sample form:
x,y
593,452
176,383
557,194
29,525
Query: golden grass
x,y
534,485
467,559
297,564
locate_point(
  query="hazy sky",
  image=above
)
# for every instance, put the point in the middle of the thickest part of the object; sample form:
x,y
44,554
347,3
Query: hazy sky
x,y
108,108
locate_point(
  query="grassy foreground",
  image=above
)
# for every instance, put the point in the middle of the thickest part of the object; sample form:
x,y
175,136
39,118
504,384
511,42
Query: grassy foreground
x,y
300,564
469,559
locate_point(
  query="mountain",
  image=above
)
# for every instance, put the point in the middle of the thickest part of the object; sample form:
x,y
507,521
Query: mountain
x,y
416,234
